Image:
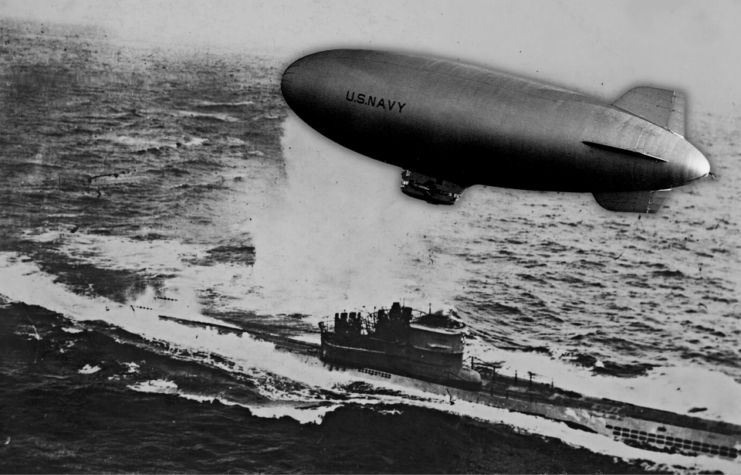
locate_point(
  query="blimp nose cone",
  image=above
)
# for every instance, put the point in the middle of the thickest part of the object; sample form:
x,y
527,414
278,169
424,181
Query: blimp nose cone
x,y
289,82
304,84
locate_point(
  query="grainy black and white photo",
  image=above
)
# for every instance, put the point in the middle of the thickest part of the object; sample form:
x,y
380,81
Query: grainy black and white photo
x,y
370,237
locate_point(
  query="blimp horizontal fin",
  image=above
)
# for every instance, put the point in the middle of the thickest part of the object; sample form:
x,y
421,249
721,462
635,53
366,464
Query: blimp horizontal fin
x,y
662,107
633,201
617,148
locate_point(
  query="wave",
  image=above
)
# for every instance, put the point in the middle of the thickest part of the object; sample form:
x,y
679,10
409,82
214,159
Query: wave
x,y
677,274
223,104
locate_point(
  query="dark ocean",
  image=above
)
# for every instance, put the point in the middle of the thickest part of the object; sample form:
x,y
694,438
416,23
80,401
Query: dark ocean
x,y
139,180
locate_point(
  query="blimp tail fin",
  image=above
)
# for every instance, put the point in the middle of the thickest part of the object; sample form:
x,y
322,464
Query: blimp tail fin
x,y
662,107
633,201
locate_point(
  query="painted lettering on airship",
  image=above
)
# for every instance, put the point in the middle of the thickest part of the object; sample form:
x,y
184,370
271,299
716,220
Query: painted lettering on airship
x,y
373,101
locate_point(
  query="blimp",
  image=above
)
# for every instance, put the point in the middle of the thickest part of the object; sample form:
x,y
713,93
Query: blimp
x,y
450,126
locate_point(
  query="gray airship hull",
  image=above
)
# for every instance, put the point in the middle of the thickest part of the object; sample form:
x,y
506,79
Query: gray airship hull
x,y
471,125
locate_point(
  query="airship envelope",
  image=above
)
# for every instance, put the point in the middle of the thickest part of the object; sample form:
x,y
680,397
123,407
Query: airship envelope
x,y
450,126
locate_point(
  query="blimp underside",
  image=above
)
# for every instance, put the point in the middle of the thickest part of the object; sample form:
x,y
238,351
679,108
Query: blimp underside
x,y
466,125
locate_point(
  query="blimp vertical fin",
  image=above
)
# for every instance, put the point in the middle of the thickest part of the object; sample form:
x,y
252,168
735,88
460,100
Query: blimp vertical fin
x,y
662,107
633,201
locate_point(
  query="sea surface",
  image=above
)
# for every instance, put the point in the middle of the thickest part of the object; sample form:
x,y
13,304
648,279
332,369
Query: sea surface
x,y
139,180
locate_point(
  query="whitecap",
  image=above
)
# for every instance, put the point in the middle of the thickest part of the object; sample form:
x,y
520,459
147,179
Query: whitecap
x,y
87,369
304,415
131,367
160,386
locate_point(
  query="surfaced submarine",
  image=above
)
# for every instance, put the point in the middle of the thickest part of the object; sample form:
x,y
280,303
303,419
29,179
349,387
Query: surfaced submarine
x,y
450,125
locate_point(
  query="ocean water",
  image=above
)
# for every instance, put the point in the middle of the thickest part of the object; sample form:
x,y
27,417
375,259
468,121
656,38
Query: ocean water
x,y
139,180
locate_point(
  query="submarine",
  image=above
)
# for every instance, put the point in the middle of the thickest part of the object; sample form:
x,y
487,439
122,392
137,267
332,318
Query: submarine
x,y
450,126
425,351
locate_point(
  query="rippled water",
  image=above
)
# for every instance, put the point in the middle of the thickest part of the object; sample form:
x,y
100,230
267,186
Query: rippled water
x,y
139,181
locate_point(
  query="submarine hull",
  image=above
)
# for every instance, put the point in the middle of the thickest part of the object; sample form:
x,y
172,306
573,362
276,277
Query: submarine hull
x,y
398,361
634,425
